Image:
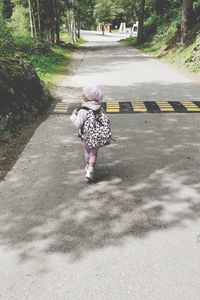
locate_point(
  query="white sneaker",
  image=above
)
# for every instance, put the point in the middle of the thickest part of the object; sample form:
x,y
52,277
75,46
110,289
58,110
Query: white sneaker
x,y
90,173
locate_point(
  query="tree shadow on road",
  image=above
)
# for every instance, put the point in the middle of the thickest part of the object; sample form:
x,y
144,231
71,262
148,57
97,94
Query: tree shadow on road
x,y
147,181
153,91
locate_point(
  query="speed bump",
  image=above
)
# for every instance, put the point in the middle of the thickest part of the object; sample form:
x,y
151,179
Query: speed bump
x,y
127,107
191,106
60,108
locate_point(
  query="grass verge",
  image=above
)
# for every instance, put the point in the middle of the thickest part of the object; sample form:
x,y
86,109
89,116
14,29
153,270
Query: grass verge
x,y
52,65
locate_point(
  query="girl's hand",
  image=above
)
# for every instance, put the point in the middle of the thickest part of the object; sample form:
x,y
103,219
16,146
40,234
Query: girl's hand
x,y
75,111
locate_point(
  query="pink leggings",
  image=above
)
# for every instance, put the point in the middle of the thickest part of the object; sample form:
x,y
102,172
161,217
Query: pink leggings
x,y
90,154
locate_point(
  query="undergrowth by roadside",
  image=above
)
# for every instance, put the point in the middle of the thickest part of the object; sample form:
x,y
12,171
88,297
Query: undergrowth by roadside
x,y
50,63
51,66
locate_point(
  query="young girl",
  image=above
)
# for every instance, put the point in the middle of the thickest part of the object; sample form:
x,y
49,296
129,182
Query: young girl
x,y
92,97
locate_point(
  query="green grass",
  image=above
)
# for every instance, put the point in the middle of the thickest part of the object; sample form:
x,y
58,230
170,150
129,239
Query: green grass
x,y
129,41
50,67
183,57
49,62
64,36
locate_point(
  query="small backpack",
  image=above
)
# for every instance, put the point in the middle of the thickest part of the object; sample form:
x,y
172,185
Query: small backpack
x,y
96,130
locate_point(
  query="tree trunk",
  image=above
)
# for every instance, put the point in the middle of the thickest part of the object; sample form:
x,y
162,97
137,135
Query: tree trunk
x,y
72,26
34,25
160,5
140,38
31,18
38,21
187,12
78,31
57,23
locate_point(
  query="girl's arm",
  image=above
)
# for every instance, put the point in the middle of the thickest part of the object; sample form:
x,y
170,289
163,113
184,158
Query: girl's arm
x,y
78,117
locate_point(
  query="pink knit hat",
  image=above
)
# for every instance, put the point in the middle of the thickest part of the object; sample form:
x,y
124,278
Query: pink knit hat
x,y
93,93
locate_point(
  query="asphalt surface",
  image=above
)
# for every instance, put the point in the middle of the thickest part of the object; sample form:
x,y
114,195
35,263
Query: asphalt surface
x,y
135,233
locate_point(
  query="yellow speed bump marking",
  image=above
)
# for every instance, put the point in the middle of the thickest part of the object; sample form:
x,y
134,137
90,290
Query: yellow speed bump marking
x,y
61,108
112,106
138,106
190,106
164,106
112,109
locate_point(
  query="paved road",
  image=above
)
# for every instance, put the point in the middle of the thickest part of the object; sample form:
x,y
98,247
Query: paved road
x,y
125,73
135,234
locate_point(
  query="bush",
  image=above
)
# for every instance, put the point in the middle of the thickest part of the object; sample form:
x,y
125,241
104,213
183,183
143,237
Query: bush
x,y
6,39
150,25
23,43
166,36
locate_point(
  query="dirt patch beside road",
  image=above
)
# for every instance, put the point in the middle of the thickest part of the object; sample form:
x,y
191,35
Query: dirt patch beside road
x,y
11,148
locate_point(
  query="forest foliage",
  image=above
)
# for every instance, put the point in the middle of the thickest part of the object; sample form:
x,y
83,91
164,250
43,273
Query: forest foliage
x,y
33,28
43,20
42,32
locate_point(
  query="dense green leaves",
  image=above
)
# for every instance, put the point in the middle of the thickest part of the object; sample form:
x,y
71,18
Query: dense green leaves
x,y
105,11
7,9
42,19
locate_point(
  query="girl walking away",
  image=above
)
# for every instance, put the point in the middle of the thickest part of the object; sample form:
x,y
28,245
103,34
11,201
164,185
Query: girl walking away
x,y
94,126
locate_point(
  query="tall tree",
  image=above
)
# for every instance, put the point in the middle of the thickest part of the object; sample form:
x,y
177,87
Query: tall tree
x,y
7,9
187,12
32,27
57,21
141,21
44,20
160,5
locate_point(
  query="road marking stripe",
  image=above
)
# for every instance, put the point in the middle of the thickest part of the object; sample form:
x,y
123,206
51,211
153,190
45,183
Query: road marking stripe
x,y
61,107
112,110
113,106
164,106
60,111
190,106
140,110
139,106
193,109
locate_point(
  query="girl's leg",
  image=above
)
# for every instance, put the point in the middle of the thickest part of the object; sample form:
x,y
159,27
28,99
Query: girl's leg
x,y
87,153
92,161
93,156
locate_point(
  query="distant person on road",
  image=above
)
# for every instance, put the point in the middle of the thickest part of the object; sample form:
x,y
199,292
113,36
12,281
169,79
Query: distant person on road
x,y
94,126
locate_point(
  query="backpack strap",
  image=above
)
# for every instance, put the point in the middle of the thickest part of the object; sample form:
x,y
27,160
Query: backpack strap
x,y
85,108
97,111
